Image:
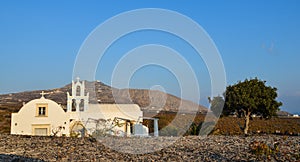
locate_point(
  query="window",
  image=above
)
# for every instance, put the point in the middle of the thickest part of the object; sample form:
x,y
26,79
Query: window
x,y
42,110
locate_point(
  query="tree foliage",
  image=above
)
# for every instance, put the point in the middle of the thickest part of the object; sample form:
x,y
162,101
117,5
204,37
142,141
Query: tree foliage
x,y
249,97
216,105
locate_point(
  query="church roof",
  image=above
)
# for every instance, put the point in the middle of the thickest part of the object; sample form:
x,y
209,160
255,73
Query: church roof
x,y
129,111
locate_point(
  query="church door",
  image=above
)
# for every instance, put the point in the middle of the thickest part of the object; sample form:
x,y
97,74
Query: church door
x,y
41,131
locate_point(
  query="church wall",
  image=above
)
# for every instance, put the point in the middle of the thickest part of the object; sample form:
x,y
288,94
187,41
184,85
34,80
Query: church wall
x,y
27,118
130,112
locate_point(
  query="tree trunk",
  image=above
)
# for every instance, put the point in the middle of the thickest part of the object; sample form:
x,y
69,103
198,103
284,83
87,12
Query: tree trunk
x,y
246,127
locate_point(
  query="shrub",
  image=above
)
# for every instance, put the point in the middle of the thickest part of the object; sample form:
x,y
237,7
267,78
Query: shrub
x,y
261,149
169,131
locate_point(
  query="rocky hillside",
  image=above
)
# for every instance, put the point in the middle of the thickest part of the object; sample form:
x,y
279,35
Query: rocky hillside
x,y
99,93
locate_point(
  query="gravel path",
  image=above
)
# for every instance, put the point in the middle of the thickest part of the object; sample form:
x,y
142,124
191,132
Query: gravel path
x,y
190,148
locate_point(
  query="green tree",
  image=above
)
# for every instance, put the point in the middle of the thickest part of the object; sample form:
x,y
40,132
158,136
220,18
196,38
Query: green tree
x,y
216,105
251,97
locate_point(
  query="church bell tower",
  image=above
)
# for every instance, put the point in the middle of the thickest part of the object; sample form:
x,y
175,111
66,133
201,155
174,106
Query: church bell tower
x,y
79,100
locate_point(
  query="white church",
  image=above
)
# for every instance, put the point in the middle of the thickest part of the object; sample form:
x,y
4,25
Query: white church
x,y
44,117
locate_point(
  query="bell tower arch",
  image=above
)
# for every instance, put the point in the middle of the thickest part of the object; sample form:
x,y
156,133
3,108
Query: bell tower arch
x,y
79,99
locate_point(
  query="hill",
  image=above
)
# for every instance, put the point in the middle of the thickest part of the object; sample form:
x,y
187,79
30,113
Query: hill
x,y
283,114
148,100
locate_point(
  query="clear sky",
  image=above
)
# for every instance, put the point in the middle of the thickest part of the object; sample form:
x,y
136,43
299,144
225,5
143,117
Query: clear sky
x,y
39,41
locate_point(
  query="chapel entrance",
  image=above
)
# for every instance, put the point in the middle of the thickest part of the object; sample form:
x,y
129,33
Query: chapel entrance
x,y
41,131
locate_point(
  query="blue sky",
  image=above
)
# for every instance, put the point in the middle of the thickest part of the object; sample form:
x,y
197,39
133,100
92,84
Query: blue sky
x,y
40,40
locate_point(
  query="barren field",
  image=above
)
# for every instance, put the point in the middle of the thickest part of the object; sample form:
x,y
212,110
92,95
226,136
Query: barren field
x,y
229,125
189,148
